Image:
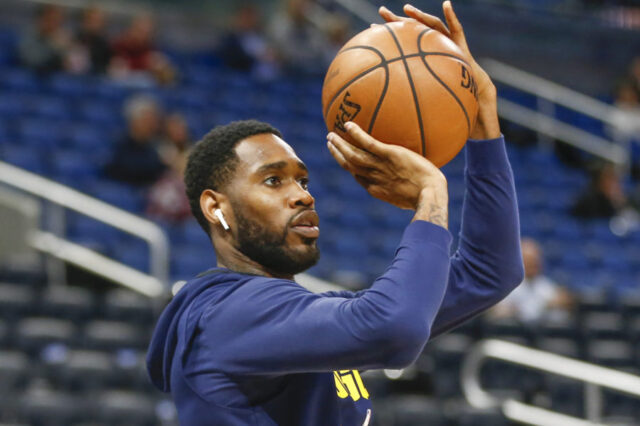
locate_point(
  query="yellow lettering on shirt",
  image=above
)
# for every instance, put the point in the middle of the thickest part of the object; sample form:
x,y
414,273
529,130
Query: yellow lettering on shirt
x,y
349,383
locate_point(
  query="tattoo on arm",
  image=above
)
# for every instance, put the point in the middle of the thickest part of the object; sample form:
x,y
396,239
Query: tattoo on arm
x,y
438,215
433,212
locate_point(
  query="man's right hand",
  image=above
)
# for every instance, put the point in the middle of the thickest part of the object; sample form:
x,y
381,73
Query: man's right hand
x,y
393,174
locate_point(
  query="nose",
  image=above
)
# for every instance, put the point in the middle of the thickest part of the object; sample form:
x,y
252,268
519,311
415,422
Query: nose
x,y
301,198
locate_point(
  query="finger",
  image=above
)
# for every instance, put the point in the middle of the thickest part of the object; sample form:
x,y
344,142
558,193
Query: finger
x,y
429,20
389,16
457,33
364,141
350,152
340,158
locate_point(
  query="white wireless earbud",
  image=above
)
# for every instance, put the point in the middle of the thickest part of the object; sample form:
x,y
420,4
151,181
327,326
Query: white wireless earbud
x,y
220,216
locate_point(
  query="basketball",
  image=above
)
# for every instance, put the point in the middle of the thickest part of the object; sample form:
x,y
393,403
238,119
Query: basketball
x,y
404,84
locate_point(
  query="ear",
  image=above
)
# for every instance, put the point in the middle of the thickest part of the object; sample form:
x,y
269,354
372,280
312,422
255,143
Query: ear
x,y
210,201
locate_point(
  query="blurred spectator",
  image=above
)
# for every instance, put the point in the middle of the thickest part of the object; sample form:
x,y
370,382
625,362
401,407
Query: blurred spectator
x,y
135,56
245,48
337,34
627,97
300,45
634,76
176,139
627,119
136,159
167,200
537,296
44,47
91,51
603,198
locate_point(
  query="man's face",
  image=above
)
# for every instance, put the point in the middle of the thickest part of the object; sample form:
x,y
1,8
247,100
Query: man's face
x,y
275,220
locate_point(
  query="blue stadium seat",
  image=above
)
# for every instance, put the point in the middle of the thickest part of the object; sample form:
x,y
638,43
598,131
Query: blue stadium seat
x,y
24,157
121,304
201,76
83,370
14,106
70,86
50,108
16,300
188,261
601,231
8,47
124,407
118,194
111,91
611,353
190,99
102,113
92,141
66,302
14,368
19,80
132,255
72,166
84,228
34,333
49,406
113,335
41,134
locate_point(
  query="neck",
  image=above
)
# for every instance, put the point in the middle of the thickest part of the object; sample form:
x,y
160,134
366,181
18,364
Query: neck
x,y
231,258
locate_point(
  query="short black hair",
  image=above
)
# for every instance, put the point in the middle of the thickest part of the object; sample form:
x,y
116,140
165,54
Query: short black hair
x,y
213,160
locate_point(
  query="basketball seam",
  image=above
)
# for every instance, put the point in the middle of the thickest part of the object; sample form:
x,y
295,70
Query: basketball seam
x,y
458,101
384,63
359,76
410,79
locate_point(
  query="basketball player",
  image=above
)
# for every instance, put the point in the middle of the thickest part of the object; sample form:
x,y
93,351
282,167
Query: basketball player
x,y
243,344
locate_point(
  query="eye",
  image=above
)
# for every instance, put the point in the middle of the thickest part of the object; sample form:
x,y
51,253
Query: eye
x,y
272,181
304,183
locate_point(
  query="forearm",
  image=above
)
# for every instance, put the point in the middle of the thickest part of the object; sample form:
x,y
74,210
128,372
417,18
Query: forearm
x,y
488,262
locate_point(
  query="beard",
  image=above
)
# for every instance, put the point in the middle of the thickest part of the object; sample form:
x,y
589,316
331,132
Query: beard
x,y
270,249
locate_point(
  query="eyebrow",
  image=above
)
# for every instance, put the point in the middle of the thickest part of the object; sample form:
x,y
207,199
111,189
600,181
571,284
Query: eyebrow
x,y
279,165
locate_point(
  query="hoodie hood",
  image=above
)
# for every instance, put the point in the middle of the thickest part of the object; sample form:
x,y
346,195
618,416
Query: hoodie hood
x,y
164,343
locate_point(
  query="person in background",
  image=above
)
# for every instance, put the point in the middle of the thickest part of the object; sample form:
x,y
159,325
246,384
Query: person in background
x,y
136,160
135,56
337,32
634,76
245,48
176,139
300,45
604,198
92,50
167,199
538,296
44,48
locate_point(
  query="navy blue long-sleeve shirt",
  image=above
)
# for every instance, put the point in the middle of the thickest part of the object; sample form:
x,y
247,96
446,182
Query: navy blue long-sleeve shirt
x,y
238,349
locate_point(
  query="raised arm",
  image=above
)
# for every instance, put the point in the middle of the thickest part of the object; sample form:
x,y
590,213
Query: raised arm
x,y
488,262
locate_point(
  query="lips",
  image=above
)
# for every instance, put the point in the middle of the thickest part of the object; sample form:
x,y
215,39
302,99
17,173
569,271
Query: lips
x,y
306,224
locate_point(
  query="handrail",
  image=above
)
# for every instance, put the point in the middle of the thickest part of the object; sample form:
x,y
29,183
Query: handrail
x,y
549,90
593,376
101,265
555,128
96,209
541,118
